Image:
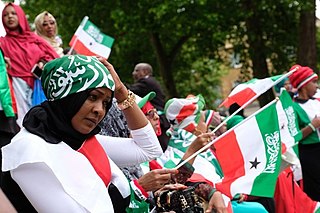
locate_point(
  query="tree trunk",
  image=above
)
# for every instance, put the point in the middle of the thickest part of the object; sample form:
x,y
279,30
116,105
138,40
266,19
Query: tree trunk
x,y
256,50
307,52
166,62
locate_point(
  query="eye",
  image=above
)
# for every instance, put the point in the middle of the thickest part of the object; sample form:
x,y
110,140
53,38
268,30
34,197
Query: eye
x,y
92,97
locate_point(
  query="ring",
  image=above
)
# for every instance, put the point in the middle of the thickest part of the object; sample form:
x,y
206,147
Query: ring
x,y
208,140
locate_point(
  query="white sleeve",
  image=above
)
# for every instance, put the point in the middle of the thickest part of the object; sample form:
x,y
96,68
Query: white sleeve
x,y
43,189
143,146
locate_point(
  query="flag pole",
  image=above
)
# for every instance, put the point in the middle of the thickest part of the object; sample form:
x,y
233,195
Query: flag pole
x,y
212,142
82,24
238,110
253,98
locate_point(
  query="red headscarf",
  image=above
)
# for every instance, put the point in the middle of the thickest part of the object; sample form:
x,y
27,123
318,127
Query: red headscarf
x,y
24,48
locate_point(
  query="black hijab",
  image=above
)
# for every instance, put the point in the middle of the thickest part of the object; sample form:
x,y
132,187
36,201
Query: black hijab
x,y
52,120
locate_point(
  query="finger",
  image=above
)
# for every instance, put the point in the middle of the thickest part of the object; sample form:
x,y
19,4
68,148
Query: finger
x,y
167,171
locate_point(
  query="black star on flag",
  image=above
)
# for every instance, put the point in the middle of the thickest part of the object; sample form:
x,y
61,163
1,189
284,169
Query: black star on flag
x,y
172,122
90,43
254,163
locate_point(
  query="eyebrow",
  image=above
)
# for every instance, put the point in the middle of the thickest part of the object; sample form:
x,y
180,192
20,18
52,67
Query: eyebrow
x,y
102,93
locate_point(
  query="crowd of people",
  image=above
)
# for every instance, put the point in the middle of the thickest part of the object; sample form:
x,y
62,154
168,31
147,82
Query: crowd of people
x,y
97,144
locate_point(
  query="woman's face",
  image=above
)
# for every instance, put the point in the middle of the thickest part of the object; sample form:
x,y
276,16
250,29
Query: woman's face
x,y
10,18
92,111
153,117
49,26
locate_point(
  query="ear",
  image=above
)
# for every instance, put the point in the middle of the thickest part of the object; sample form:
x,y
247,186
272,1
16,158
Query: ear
x,y
145,72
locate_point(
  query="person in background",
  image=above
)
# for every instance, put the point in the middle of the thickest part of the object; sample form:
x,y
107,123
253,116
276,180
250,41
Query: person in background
x,y
47,28
285,83
24,49
62,151
145,83
307,109
8,116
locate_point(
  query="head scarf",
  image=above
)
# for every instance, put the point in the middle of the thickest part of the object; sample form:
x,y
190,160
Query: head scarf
x,y
67,83
184,113
73,74
38,21
302,76
234,120
24,48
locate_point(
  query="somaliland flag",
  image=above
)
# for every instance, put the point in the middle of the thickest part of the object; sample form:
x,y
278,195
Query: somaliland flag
x,y
250,155
245,92
249,91
288,122
89,40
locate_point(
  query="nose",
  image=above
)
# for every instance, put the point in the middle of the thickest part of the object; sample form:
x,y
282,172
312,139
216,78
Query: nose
x,y
156,116
99,109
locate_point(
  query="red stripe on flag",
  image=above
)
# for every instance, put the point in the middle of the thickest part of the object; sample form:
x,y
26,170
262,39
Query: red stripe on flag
x,y
80,48
186,111
240,97
231,161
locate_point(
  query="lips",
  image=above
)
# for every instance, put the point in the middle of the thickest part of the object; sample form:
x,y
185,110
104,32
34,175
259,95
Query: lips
x,y
93,120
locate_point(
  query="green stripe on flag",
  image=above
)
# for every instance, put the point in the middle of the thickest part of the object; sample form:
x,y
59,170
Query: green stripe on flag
x,y
264,184
97,35
293,125
276,77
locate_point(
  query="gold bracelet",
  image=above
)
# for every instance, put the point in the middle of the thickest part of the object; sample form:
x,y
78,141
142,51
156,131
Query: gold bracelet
x,y
128,102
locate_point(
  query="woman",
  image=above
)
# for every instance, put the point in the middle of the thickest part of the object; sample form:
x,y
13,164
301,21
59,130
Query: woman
x,y
46,27
24,49
58,150
307,109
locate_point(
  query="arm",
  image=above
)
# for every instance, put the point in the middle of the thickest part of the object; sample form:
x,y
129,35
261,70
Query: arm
x,y
32,178
311,127
143,146
134,116
5,204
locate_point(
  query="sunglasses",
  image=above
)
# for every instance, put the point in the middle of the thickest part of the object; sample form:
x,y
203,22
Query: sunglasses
x,y
151,113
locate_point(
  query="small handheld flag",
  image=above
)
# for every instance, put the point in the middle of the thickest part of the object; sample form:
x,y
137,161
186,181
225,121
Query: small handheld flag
x,y
89,40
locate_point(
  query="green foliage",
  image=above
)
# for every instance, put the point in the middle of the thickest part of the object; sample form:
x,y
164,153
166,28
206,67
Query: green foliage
x,y
181,38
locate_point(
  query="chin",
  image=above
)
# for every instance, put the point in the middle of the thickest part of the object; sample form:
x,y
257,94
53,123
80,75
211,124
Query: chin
x,y
85,131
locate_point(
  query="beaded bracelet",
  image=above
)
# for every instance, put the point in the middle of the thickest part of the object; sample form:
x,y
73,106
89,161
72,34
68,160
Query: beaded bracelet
x,y
128,102
312,127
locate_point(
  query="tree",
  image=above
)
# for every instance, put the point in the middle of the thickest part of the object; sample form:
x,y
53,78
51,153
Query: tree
x,y
182,39
307,51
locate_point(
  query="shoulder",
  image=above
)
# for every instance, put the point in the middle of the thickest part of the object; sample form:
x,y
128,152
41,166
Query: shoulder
x,y
26,147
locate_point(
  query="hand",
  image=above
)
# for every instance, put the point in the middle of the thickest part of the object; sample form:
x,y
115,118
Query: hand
x,y
156,179
316,122
175,186
201,141
242,197
8,63
120,91
216,203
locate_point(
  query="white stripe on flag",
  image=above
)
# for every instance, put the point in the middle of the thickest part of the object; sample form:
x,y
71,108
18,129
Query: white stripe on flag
x,y
91,44
249,153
